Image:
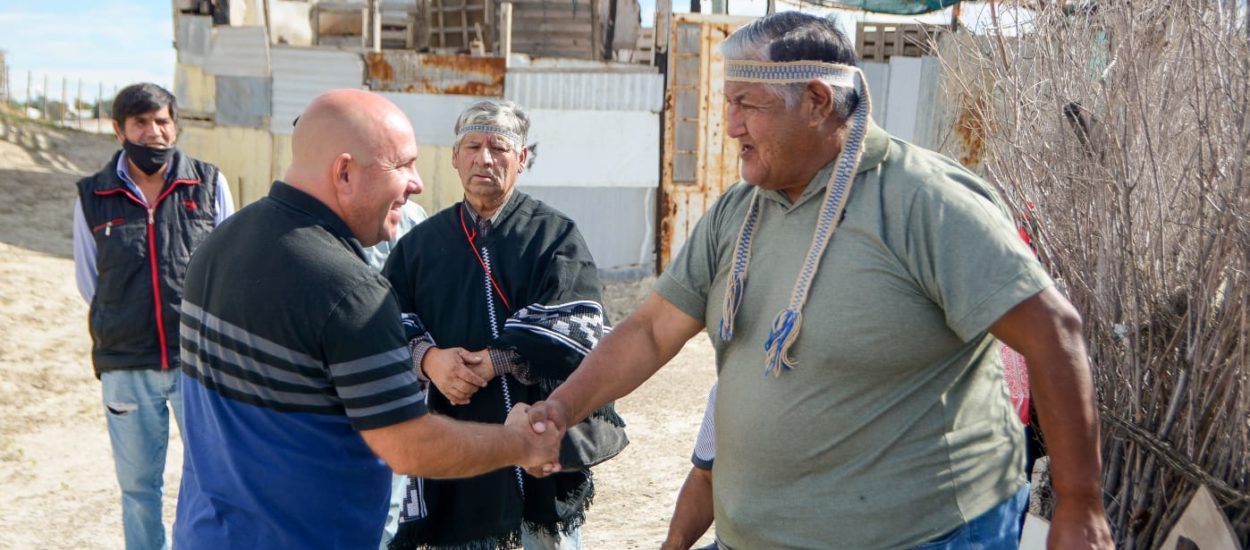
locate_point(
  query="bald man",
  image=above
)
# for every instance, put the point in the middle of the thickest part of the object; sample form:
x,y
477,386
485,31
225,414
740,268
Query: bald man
x,y
296,371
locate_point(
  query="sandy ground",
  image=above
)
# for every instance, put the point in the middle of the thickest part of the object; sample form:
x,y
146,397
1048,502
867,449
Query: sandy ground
x,y
56,470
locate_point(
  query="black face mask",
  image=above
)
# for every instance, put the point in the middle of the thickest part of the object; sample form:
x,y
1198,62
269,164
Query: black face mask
x,y
148,159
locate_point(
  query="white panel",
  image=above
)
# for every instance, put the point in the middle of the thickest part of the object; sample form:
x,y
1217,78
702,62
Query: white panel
x,y
618,223
195,34
606,91
878,75
903,97
300,74
595,148
238,51
434,116
928,109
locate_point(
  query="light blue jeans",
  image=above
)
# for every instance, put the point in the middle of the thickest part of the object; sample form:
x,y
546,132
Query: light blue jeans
x,y
136,405
997,529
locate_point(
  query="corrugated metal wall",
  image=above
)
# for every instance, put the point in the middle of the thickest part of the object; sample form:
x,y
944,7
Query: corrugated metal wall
x,y
238,51
597,129
609,91
300,74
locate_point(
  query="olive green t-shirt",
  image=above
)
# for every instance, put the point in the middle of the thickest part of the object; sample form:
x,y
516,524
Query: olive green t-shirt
x,y
895,426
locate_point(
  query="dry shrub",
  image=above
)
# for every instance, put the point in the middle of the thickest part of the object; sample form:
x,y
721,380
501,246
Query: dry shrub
x,y
1120,134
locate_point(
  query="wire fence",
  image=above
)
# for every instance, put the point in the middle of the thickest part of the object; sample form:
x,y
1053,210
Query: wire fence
x,y
77,103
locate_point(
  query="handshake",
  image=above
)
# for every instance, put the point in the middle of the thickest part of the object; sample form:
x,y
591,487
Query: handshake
x,y
540,428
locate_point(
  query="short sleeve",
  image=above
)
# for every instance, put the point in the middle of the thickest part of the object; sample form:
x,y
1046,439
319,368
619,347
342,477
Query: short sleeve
x,y
369,360
968,257
687,280
705,444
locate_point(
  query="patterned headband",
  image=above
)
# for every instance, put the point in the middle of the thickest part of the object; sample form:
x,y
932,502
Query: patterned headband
x,y
791,72
488,129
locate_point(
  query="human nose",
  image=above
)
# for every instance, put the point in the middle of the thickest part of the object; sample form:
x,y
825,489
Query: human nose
x,y
415,185
485,157
737,123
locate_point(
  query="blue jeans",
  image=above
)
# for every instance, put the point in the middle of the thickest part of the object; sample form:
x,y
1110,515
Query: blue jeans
x,y
999,528
138,421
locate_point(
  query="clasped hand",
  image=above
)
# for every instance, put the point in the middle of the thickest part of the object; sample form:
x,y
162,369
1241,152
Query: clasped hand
x,y
457,372
542,449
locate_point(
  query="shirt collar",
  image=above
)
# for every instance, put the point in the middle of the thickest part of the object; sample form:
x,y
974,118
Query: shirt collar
x,y
318,211
475,216
876,144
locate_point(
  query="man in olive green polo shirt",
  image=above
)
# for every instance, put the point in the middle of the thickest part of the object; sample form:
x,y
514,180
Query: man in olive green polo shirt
x,y
854,286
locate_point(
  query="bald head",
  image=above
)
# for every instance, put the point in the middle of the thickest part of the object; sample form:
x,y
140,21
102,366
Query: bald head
x,y
355,152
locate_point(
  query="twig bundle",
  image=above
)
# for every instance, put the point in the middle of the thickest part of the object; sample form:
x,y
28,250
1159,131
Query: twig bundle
x,y
1120,134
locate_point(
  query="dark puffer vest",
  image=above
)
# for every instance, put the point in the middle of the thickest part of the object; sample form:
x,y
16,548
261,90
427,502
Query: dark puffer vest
x,y
141,258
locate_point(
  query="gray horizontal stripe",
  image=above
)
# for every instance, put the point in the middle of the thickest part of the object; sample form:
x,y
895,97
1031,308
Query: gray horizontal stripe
x,y
365,412
229,356
265,393
357,366
405,378
241,335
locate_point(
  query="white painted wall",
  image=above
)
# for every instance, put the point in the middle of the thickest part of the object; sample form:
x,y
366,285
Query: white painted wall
x,y
595,148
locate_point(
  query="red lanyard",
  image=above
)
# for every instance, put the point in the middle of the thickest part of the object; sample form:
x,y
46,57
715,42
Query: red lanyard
x,y
473,246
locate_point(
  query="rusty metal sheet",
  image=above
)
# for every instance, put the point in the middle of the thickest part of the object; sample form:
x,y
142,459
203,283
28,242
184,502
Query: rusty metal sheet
x,y
401,71
699,160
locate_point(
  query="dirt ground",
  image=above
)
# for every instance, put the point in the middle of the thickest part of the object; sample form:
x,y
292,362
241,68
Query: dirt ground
x,y
56,470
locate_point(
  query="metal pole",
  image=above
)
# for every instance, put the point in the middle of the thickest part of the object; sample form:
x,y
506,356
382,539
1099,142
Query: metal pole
x,y
506,35
28,79
375,24
78,105
43,115
64,100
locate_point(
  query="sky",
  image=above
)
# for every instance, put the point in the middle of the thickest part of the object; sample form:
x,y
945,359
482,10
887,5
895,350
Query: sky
x,y
113,42
120,42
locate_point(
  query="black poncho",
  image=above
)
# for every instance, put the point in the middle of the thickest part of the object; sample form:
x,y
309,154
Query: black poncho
x,y
542,300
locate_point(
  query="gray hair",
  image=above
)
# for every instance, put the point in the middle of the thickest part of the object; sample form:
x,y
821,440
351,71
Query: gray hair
x,y
495,112
795,36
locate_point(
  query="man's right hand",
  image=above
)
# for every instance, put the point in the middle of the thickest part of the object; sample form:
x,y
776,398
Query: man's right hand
x,y
449,370
542,450
548,417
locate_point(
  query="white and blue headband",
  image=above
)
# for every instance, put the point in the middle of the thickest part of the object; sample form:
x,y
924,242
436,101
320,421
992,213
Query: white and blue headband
x,y
490,129
792,72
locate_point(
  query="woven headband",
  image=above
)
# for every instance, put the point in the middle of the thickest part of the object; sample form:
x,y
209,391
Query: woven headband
x,y
488,129
791,72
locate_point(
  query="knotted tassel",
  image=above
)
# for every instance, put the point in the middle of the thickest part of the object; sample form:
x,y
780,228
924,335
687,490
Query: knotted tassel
x,y
733,300
785,332
738,274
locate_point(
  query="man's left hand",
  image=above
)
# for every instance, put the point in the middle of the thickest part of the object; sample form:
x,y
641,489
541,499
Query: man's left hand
x,y
1079,526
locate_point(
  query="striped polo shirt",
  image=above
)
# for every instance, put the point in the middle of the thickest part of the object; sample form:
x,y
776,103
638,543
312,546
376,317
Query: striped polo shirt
x,y
291,344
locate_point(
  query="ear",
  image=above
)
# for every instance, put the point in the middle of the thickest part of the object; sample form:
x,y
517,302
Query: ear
x,y
341,174
523,159
818,99
118,131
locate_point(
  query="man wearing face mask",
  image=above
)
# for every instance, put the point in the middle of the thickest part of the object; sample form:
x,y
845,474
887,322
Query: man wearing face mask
x,y
136,223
